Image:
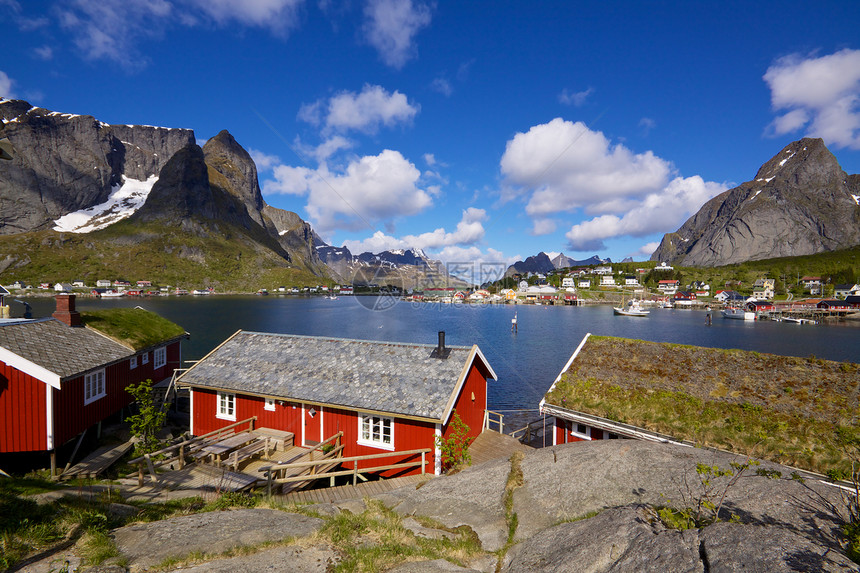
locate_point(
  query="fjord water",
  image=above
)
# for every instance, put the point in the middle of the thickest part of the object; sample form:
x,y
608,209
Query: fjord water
x,y
526,362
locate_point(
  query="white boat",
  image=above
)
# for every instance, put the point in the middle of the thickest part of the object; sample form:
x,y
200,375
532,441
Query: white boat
x,y
738,314
632,308
112,294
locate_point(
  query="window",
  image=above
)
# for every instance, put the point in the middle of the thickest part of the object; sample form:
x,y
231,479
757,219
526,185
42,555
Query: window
x,y
376,431
580,431
132,363
144,358
226,406
270,404
159,357
94,386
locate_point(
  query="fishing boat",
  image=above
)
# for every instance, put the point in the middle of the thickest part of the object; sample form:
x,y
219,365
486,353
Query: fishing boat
x,y
738,313
632,308
112,294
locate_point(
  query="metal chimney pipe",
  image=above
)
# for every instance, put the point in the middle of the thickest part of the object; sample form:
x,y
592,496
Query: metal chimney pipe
x,y
440,349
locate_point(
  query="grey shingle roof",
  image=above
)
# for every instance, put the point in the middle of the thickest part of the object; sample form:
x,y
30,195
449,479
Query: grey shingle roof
x,y
63,350
365,375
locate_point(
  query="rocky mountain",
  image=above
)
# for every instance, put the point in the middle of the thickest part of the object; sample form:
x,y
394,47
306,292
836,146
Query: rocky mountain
x,y
409,268
541,263
76,176
800,202
64,163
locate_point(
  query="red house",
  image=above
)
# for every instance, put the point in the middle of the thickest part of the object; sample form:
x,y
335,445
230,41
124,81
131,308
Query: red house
x,y
59,377
383,396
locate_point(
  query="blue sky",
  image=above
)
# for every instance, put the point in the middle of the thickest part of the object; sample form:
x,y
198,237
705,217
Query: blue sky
x,y
478,131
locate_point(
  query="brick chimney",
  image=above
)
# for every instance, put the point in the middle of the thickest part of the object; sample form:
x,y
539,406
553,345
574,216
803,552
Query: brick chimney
x,y
66,310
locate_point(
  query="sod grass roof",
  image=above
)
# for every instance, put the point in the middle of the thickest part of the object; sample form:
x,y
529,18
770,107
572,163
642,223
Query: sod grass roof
x,y
136,328
786,409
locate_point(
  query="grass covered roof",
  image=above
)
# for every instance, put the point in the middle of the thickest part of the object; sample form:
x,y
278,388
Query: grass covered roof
x,y
786,409
134,327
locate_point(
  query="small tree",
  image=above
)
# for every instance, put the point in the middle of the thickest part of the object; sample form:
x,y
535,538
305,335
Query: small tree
x,y
149,418
455,448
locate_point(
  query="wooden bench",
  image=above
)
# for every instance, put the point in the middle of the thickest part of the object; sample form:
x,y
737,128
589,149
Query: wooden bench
x,y
247,452
280,438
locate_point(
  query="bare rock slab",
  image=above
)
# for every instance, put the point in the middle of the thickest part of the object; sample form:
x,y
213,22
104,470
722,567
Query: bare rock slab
x,y
569,481
435,566
291,559
472,497
148,544
631,539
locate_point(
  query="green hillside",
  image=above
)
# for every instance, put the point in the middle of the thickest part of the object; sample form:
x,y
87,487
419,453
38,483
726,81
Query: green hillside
x,y
227,261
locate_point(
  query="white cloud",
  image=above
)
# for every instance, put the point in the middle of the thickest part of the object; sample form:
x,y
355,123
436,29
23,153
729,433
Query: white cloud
x,y
821,94
44,53
365,111
541,226
647,124
470,230
370,189
390,26
263,161
658,212
443,86
575,99
279,16
565,166
648,249
113,29
430,159
6,84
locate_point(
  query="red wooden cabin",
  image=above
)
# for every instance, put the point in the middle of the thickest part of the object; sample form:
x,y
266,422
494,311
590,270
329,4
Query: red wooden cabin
x,y
383,396
58,378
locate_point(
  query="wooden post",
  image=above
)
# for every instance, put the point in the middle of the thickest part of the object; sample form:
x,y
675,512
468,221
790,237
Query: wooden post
x,y
182,456
269,484
53,456
423,463
355,472
151,467
140,474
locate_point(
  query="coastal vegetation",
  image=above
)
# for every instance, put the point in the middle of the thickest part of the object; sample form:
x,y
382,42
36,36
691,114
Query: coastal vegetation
x,y
783,409
133,327
133,250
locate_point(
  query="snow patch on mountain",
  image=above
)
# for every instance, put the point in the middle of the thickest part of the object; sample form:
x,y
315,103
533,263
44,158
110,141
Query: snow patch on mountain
x,y
124,200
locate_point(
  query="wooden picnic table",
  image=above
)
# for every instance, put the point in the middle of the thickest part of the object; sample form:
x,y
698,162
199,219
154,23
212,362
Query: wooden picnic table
x,y
227,445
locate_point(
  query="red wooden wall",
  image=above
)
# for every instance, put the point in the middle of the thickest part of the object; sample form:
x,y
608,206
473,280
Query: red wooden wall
x,y
23,424
23,402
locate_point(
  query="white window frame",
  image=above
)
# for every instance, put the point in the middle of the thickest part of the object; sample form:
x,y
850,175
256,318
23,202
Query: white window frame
x,y
371,431
144,358
269,404
94,386
159,357
225,406
132,363
583,436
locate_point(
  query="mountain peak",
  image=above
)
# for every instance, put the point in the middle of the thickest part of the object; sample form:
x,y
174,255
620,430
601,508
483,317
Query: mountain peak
x,y
799,203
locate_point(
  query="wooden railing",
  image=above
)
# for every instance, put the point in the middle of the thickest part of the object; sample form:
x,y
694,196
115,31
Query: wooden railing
x,y
531,430
182,449
497,418
356,473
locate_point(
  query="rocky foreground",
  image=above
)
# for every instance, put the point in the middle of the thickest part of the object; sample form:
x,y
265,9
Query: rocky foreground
x,y
585,507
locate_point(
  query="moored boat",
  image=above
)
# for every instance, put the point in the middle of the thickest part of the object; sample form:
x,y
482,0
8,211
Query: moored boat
x,y
632,308
738,313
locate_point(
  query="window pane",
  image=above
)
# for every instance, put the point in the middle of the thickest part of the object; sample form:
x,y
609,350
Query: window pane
x,y
386,431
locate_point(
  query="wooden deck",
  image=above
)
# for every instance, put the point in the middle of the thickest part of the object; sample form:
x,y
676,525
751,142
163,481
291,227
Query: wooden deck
x,y
362,490
491,445
98,461
202,476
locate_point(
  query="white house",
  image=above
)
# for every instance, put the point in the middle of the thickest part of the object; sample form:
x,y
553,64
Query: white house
x,y
631,281
103,283
63,287
607,280
584,283
567,282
